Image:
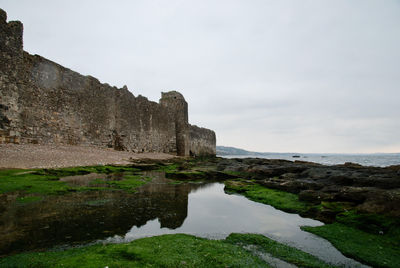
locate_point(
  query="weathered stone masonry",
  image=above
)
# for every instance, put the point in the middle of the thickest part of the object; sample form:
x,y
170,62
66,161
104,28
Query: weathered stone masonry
x,y
45,103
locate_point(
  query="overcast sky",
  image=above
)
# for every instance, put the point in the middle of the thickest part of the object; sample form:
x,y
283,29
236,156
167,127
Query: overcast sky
x,y
273,76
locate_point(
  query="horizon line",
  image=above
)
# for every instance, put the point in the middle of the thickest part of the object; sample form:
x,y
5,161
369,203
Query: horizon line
x,y
343,153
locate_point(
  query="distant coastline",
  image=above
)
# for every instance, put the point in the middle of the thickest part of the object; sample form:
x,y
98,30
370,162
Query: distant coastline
x,y
377,159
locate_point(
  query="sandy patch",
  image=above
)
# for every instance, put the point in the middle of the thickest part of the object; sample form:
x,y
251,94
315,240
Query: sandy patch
x,y
52,156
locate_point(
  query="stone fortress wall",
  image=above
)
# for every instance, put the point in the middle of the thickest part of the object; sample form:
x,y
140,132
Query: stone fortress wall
x,y
43,102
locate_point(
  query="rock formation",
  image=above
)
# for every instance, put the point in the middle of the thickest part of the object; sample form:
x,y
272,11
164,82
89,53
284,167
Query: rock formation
x,y
45,103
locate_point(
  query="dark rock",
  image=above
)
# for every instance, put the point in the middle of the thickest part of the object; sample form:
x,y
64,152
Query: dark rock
x,y
315,196
273,171
355,195
342,180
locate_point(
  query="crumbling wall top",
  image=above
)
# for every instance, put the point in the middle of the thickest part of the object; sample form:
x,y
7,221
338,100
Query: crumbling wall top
x,y
3,15
11,35
15,25
172,95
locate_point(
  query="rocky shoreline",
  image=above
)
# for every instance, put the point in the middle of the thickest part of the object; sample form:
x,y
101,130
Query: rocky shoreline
x,y
360,205
369,189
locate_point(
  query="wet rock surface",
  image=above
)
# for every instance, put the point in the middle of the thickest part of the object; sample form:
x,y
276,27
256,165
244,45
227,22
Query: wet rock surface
x,y
370,189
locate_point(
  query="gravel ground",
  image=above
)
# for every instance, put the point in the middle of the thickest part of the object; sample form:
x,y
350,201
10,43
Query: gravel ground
x,y
51,156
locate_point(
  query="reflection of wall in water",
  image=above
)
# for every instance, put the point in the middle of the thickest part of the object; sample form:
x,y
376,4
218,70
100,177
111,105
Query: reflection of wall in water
x,y
84,217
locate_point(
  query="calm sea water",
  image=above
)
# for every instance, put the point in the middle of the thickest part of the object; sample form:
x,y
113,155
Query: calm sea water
x,y
378,160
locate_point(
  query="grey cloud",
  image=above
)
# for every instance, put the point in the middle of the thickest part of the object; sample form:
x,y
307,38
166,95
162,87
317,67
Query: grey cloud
x,y
289,75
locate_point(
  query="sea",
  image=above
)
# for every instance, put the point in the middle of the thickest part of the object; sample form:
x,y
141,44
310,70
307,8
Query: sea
x,y
377,160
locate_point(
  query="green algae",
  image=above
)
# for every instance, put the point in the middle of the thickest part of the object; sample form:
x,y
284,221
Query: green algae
x,y
30,182
177,250
72,171
47,181
375,250
129,182
278,199
170,167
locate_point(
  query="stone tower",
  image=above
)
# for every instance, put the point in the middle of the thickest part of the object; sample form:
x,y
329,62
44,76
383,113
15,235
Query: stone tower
x,y
178,108
11,60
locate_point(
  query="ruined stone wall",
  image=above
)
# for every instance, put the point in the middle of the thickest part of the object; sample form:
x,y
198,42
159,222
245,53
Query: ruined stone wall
x,y
11,58
178,107
43,102
202,141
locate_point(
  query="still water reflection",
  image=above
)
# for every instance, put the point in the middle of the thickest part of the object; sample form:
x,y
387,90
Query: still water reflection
x,y
214,214
159,207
